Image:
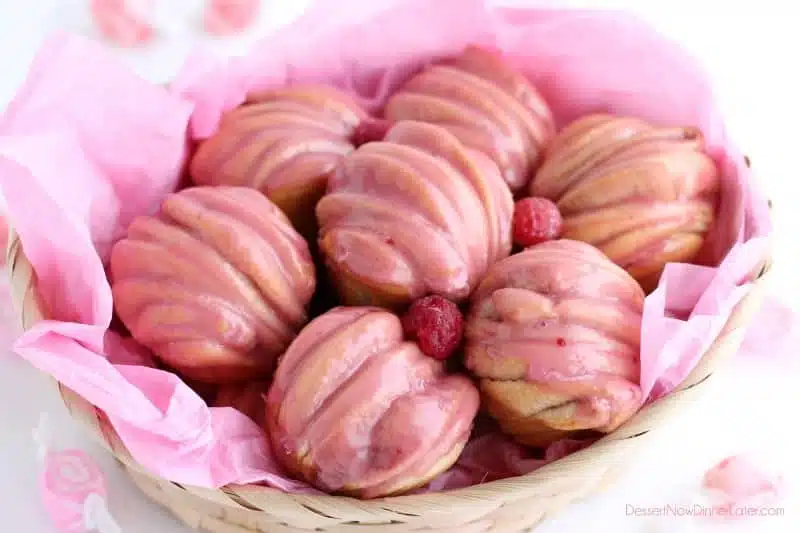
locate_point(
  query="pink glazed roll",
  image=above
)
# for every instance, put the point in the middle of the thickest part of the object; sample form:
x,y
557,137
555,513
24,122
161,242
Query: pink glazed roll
x,y
553,337
284,143
484,102
356,410
644,195
417,213
216,284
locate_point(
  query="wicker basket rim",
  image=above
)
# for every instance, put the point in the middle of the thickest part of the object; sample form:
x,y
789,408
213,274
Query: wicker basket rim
x,y
27,302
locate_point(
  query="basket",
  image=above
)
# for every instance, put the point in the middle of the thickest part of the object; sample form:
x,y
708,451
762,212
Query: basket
x,y
511,505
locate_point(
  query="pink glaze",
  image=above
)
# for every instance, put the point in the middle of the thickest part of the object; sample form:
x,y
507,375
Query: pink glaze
x,y
645,196
125,22
355,409
562,318
418,212
227,17
487,105
67,480
216,284
283,142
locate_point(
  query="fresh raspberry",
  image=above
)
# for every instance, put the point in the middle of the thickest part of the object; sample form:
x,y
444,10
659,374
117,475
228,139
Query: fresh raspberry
x,y
370,130
436,324
536,220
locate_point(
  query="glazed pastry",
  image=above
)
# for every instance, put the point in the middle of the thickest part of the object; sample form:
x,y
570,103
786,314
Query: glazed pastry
x,y
285,143
553,337
355,410
417,213
644,195
216,284
479,98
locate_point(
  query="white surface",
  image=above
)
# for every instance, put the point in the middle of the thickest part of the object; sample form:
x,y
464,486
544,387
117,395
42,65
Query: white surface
x,y
751,405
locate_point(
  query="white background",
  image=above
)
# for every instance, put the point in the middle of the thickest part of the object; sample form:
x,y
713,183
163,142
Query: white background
x,y
750,50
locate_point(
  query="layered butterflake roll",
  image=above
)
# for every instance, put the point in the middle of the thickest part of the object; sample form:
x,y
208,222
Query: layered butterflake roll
x,y
644,195
285,143
216,284
553,336
484,102
354,409
417,213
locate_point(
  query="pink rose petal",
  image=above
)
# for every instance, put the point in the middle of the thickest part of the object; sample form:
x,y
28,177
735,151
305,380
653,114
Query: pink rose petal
x,y
227,17
124,22
68,478
738,482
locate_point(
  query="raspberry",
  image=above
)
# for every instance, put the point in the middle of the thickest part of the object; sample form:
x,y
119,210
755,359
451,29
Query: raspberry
x,y
370,130
536,220
436,324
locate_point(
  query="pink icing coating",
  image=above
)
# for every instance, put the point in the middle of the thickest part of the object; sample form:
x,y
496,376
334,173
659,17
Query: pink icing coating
x,y
564,318
260,143
484,103
283,142
355,409
644,195
418,211
216,284
67,479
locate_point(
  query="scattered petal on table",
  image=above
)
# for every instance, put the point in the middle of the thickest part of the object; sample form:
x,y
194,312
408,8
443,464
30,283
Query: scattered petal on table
x,y
227,17
124,22
775,326
69,477
73,488
739,482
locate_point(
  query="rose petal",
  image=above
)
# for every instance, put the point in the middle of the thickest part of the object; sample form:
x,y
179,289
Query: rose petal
x,y
69,477
738,481
124,22
226,17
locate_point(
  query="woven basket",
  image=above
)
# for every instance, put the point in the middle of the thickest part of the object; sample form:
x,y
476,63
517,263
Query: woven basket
x,y
507,506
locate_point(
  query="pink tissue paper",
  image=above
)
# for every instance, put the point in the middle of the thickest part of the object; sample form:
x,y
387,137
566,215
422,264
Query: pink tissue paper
x,y
86,146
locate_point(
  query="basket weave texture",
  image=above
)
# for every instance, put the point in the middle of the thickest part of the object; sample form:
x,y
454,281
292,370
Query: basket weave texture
x,y
508,506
